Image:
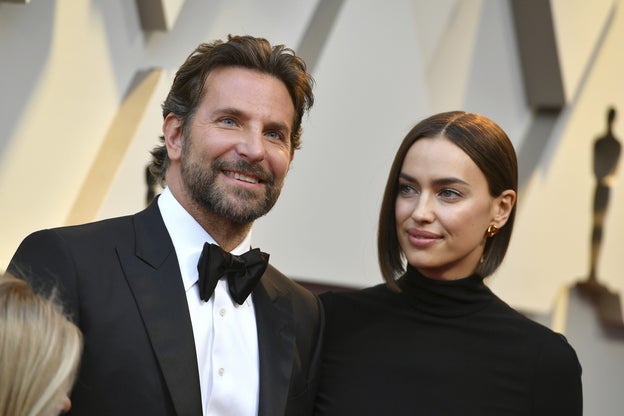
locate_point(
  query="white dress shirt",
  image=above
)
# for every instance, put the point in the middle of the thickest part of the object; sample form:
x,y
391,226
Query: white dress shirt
x,y
226,339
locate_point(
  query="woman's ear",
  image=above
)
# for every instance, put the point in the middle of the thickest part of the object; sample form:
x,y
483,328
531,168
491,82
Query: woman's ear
x,y
172,132
503,205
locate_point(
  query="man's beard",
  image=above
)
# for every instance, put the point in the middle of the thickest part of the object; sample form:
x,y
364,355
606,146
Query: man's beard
x,y
239,205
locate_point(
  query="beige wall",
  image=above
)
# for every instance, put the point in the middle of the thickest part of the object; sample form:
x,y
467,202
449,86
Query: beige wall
x,y
67,67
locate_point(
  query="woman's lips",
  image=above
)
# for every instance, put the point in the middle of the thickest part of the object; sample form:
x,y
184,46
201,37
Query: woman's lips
x,y
422,238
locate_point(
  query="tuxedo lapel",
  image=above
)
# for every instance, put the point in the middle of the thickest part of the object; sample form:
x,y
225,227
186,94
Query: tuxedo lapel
x,y
276,339
153,274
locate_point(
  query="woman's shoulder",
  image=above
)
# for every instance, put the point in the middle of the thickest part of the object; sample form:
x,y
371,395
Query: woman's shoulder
x,y
552,346
358,315
356,303
379,292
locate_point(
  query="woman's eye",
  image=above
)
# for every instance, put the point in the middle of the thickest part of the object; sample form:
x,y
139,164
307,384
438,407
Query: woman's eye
x,y
405,189
449,194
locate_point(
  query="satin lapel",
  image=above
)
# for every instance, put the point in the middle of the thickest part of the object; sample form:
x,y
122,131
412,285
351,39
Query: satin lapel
x,y
154,277
274,319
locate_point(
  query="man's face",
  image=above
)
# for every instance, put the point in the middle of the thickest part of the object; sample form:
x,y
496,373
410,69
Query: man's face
x,y
236,151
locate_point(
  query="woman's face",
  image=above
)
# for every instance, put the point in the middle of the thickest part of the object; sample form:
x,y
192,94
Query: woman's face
x,y
444,208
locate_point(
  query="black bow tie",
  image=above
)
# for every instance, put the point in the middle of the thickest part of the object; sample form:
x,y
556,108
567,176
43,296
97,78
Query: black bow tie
x,y
243,272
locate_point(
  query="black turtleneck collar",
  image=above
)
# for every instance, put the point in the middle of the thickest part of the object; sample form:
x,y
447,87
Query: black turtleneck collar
x,y
446,298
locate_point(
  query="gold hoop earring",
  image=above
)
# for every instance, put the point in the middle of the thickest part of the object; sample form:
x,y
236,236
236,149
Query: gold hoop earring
x,y
492,230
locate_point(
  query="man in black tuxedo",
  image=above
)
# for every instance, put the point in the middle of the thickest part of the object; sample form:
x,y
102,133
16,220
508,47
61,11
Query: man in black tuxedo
x,y
157,340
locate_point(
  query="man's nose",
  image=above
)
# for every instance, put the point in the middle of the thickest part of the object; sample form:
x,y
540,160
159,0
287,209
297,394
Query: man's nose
x,y
251,147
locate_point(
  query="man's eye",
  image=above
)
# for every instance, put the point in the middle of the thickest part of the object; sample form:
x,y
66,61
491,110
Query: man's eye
x,y
228,121
274,135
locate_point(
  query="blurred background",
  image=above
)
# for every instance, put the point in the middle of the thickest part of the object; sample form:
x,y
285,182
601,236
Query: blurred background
x,y
81,83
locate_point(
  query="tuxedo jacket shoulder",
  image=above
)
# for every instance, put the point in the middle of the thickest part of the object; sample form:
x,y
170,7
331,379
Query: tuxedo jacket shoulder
x,y
119,280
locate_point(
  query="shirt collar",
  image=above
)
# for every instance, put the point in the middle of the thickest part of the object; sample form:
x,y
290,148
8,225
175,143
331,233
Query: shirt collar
x,y
188,237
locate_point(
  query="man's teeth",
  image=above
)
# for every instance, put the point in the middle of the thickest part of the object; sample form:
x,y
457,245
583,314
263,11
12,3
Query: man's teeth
x,y
241,177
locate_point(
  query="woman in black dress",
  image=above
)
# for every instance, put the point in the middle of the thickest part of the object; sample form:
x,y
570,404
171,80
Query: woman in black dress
x,y
434,340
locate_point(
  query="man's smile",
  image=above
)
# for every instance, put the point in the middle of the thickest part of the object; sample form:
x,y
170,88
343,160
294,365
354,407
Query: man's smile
x,y
241,176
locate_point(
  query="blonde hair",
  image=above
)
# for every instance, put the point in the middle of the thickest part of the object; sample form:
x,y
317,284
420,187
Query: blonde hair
x,y
40,350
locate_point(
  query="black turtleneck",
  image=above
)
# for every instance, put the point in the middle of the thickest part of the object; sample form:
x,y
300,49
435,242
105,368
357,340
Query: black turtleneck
x,y
441,348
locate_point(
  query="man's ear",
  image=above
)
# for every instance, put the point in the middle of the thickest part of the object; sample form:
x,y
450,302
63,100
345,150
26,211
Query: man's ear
x,y
172,132
503,205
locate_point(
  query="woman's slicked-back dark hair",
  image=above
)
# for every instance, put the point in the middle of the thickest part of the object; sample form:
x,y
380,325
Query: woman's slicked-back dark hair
x,y
491,150
238,51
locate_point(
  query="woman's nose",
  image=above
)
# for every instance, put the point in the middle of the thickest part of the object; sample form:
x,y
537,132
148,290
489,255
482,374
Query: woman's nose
x,y
423,209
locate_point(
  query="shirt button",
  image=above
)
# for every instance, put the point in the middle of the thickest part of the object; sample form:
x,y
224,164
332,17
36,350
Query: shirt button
x,y
222,312
221,371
